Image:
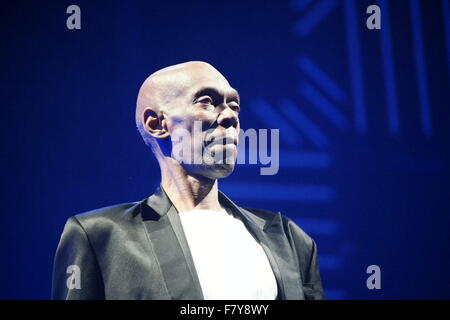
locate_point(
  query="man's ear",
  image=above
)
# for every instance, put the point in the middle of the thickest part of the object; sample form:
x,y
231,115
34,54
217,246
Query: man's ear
x,y
155,124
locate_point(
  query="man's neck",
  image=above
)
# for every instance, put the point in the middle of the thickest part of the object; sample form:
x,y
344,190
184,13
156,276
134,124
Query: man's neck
x,y
188,192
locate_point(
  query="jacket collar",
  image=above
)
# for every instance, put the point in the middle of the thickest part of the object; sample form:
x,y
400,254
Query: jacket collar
x,y
169,244
161,204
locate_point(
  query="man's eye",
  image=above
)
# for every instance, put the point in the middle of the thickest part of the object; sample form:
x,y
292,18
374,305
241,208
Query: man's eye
x,y
206,100
235,107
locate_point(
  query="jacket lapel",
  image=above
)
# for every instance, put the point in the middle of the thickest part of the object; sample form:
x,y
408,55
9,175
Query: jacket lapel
x,y
270,235
170,247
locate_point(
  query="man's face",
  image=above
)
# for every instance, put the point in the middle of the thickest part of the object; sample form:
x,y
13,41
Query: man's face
x,y
204,123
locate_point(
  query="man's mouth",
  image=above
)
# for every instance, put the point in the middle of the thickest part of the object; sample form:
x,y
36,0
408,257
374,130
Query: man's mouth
x,y
221,140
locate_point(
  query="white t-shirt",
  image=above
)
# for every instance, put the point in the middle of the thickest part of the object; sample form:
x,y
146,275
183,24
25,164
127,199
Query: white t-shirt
x,y
229,262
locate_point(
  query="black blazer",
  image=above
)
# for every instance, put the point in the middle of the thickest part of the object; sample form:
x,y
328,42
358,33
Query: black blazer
x,y
139,251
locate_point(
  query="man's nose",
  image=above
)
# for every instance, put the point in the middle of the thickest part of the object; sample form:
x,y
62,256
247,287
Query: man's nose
x,y
227,118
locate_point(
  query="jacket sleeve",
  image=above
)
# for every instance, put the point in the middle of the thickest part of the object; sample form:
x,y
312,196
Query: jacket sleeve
x,y
312,285
306,250
76,273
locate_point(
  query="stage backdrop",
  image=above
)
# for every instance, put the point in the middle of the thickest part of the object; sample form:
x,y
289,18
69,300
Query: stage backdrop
x,y
363,118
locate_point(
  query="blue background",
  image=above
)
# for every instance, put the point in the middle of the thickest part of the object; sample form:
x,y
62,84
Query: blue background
x,y
363,115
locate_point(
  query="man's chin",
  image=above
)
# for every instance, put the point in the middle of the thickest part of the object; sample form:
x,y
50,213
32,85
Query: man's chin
x,y
220,171
212,171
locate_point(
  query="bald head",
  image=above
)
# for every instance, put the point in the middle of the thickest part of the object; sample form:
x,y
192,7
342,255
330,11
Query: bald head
x,y
165,85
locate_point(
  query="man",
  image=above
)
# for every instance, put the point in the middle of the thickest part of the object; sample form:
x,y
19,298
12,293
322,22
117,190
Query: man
x,y
187,240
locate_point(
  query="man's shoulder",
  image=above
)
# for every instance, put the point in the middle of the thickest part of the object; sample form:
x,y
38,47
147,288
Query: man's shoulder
x,y
298,240
291,229
116,212
262,214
